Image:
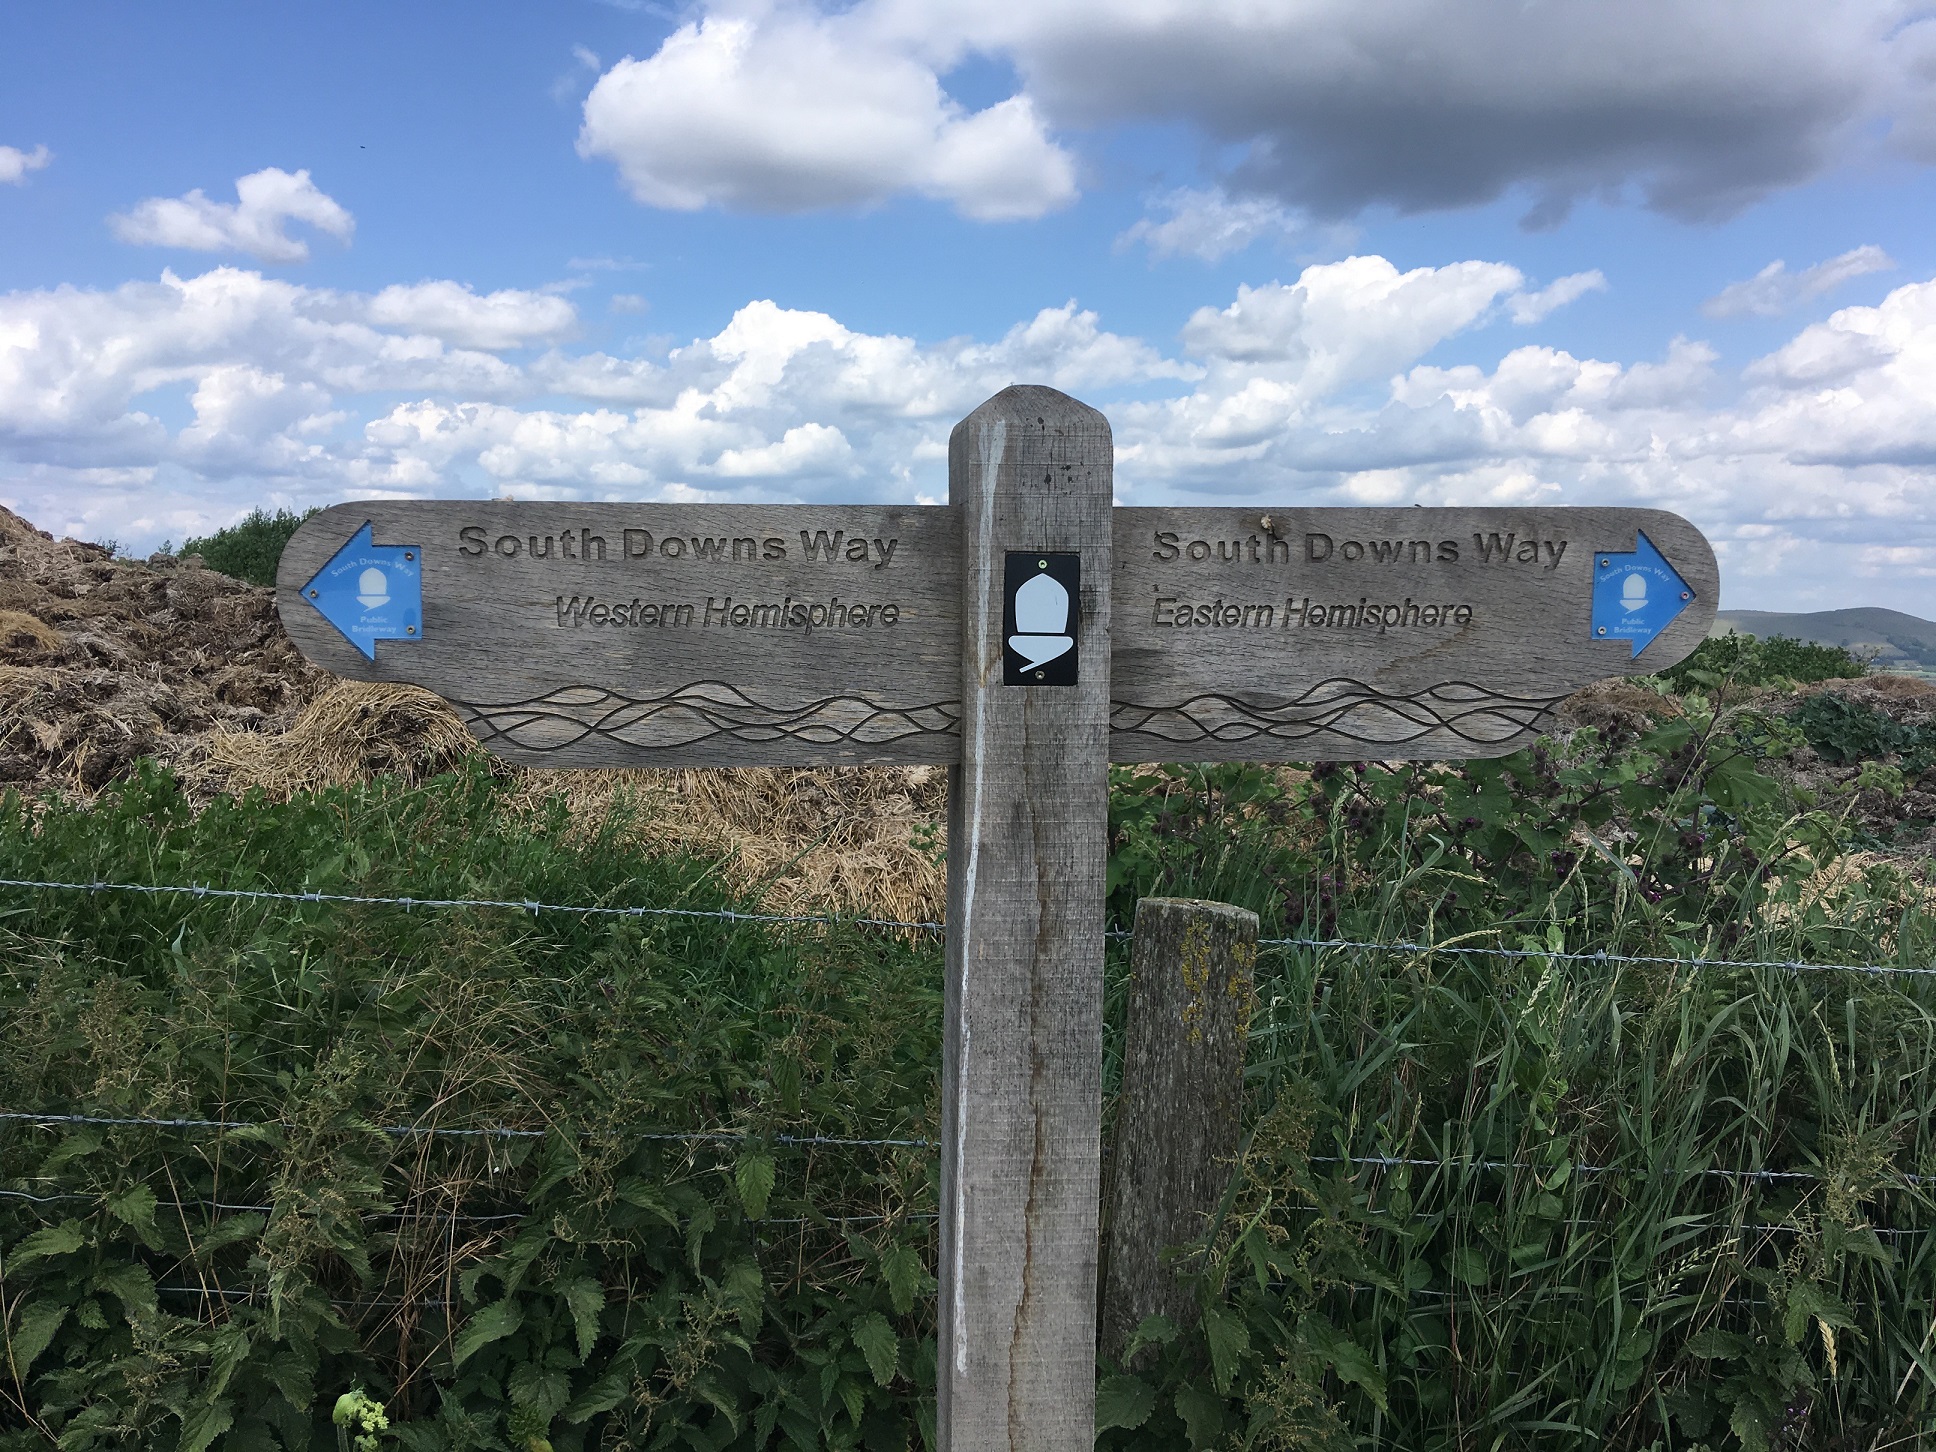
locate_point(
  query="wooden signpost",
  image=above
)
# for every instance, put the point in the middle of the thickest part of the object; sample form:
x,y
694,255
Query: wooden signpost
x,y
1025,634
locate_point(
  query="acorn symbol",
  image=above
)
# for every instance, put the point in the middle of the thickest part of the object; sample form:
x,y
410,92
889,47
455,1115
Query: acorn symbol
x,y
1041,621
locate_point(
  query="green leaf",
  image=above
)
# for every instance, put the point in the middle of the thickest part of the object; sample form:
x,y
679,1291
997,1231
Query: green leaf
x,y
698,1227
38,1322
1229,1342
1154,1331
854,1398
1750,1423
82,1142
753,1177
231,1348
1468,1264
201,1425
743,1287
131,1285
586,1299
493,1323
543,1392
62,1239
294,1375
1202,1414
704,1385
135,1207
601,1396
1123,1401
649,1198
879,1344
1715,1345
1348,1359
906,1278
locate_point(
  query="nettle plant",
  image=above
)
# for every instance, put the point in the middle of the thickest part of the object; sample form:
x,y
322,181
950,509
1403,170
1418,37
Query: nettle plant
x,y
1676,838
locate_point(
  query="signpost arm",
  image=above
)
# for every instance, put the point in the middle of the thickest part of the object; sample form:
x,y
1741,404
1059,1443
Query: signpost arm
x,y
1030,470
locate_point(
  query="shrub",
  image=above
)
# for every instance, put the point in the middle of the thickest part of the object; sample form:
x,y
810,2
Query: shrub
x,y
248,550
1746,660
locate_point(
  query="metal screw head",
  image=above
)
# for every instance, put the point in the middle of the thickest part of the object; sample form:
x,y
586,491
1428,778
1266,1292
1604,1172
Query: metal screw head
x,y
1603,630
1605,563
1041,675
1687,594
408,555
313,594
409,630
1041,564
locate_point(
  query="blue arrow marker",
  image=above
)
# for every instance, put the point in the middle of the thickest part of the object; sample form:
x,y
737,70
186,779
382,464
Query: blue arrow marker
x,y
371,592
1636,595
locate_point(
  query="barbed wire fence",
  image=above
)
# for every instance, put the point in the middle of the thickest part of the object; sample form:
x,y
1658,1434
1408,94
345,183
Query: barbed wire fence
x,y
727,915
1350,1164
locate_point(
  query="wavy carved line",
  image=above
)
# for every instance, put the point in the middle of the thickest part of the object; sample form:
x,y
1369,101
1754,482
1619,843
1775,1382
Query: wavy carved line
x,y
695,713
1340,708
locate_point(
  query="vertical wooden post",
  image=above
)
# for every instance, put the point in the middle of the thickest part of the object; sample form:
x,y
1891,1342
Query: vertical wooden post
x,y
1192,969
1030,470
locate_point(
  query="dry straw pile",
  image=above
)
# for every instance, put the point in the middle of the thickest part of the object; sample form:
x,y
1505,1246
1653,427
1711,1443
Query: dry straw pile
x,y
105,661
820,839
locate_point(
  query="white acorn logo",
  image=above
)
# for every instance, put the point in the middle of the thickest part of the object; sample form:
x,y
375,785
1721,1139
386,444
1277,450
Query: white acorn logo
x,y
1041,621
372,589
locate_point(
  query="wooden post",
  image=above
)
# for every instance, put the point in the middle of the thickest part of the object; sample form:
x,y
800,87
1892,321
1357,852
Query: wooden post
x,y
1029,471
1191,986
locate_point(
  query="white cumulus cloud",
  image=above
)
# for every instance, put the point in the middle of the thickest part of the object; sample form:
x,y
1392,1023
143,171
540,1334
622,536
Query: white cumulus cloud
x,y
1531,307
15,163
257,222
1774,290
509,318
798,111
171,406
1210,224
1344,322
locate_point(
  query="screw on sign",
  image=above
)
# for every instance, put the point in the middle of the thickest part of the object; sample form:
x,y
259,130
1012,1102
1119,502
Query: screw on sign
x,y
1026,635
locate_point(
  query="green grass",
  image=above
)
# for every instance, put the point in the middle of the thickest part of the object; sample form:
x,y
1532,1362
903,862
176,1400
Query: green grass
x,y
1575,1262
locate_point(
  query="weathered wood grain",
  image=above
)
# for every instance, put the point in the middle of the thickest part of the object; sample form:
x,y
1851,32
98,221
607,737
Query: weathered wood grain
x,y
1021,1075
1177,1117
1445,632
527,648
639,655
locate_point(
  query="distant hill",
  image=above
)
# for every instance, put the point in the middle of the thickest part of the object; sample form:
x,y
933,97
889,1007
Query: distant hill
x,y
1895,639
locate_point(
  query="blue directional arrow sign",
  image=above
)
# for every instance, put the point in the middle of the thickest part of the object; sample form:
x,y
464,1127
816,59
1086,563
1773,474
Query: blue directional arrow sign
x,y
1636,595
371,592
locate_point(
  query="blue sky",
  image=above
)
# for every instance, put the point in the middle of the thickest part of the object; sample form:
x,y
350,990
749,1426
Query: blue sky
x,y
1308,251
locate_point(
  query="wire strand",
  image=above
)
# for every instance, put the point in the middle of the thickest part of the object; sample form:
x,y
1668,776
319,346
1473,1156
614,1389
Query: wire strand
x,y
250,894
1600,956
897,925
816,1140
489,1131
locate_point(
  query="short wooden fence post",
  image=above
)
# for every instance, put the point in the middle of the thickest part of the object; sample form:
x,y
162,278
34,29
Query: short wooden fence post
x,y
1191,987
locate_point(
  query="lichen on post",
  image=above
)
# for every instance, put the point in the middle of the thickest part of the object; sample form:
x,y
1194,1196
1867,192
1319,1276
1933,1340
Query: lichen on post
x,y
1177,1120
